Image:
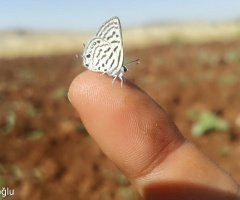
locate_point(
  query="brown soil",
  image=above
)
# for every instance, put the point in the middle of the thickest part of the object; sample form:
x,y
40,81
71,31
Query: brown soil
x,y
45,151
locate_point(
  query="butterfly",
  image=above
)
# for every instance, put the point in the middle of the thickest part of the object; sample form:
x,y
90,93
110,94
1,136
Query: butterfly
x,y
104,52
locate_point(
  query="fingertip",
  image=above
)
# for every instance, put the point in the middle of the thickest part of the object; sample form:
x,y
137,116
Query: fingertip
x,y
81,86
90,85
77,84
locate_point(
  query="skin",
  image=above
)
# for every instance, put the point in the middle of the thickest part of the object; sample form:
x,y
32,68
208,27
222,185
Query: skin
x,y
142,140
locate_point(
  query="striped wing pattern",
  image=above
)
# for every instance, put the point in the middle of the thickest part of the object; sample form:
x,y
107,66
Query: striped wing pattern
x,y
111,31
104,52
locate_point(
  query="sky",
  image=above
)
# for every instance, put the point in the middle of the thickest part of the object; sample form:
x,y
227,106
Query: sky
x,y
89,15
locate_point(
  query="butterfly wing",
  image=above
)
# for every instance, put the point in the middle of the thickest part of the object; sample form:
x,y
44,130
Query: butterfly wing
x,y
111,32
104,52
99,56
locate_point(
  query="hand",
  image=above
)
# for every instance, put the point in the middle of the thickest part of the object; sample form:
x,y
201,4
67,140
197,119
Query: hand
x,y
141,139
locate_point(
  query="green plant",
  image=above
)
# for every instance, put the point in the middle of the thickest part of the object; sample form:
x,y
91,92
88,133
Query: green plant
x,y
207,57
231,54
26,75
35,134
60,92
121,178
228,79
9,124
126,193
206,121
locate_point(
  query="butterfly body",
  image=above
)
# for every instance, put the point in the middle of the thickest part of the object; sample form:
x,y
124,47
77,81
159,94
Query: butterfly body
x,y
104,52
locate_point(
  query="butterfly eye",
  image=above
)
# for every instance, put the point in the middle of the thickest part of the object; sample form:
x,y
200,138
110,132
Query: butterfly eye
x,y
125,69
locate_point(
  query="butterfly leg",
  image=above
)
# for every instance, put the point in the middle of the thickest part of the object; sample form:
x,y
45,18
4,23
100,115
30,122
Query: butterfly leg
x,y
122,79
115,76
101,74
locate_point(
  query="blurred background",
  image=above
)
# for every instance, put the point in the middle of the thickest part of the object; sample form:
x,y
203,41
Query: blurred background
x,y
190,64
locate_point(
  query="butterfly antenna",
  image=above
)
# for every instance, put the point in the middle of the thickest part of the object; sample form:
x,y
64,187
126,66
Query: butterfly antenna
x,y
134,62
77,56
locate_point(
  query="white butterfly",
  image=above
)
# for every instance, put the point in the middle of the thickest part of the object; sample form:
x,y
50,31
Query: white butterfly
x,y
104,52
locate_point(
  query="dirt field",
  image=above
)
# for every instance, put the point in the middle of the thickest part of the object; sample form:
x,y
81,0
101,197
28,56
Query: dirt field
x,y
45,151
